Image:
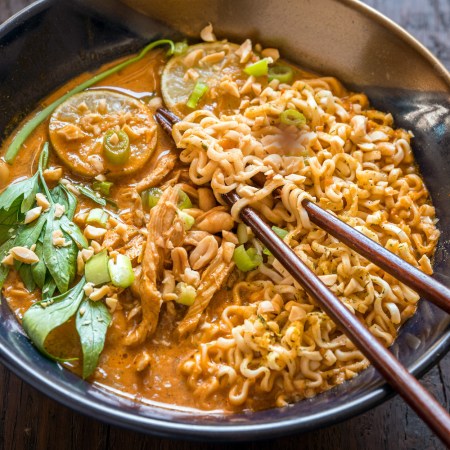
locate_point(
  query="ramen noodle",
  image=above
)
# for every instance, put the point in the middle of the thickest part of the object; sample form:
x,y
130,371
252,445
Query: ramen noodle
x,y
166,296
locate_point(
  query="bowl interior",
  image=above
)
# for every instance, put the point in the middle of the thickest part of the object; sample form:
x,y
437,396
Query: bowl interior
x,y
55,40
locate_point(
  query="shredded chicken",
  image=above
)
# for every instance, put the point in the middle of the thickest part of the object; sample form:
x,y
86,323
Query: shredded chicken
x,y
114,239
165,232
162,169
211,281
134,248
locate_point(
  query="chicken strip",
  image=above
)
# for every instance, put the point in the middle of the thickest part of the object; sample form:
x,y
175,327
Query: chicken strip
x,y
163,167
211,281
165,231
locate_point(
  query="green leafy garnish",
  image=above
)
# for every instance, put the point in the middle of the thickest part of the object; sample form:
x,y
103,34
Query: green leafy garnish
x,y
29,127
49,287
92,321
45,316
4,250
73,231
9,221
39,270
27,277
28,235
89,193
60,261
25,190
64,197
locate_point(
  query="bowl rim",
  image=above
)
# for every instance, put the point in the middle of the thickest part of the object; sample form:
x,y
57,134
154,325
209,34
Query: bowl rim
x,y
227,432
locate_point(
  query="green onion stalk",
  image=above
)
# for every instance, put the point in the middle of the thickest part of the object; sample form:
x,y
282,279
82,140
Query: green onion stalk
x,y
284,74
200,89
292,117
116,146
259,68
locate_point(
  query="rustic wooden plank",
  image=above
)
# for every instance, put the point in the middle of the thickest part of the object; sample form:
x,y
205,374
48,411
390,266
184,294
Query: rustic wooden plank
x,y
30,420
428,21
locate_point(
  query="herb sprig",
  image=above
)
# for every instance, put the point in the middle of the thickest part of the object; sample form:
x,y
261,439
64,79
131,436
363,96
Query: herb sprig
x,y
56,269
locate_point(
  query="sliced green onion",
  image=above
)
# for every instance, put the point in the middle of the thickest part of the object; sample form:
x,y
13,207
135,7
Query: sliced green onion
x,y
186,294
246,260
252,252
150,197
121,271
116,145
267,252
104,187
180,48
280,232
200,89
292,117
259,68
29,127
188,221
96,269
242,233
184,202
97,217
284,74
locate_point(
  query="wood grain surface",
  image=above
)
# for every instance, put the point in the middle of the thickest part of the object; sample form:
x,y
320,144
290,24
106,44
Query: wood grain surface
x,y
29,420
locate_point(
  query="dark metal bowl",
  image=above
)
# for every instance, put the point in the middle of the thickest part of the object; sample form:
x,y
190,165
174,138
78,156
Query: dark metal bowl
x,y
52,41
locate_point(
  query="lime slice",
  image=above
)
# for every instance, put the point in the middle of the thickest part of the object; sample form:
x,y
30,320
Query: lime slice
x,y
78,126
215,64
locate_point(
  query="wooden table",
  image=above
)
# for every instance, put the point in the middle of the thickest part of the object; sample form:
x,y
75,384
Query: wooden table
x,y
29,420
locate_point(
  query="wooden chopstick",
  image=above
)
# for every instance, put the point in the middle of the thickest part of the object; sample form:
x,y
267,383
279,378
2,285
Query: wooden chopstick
x,y
425,285
423,403
422,283
390,368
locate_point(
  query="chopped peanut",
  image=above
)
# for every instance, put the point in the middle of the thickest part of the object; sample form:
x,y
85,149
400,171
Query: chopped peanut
x,y
111,303
59,210
86,254
99,293
230,87
80,264
32,214
271,53
53,174
207,33
8,260
58,239
42,201
96,246
94,232
24,255
88,288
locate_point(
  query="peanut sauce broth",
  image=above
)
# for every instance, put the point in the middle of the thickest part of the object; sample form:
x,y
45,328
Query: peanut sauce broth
x,y
160,383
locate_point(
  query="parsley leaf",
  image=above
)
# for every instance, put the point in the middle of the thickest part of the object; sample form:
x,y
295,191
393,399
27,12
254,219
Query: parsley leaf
x,y
92,321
